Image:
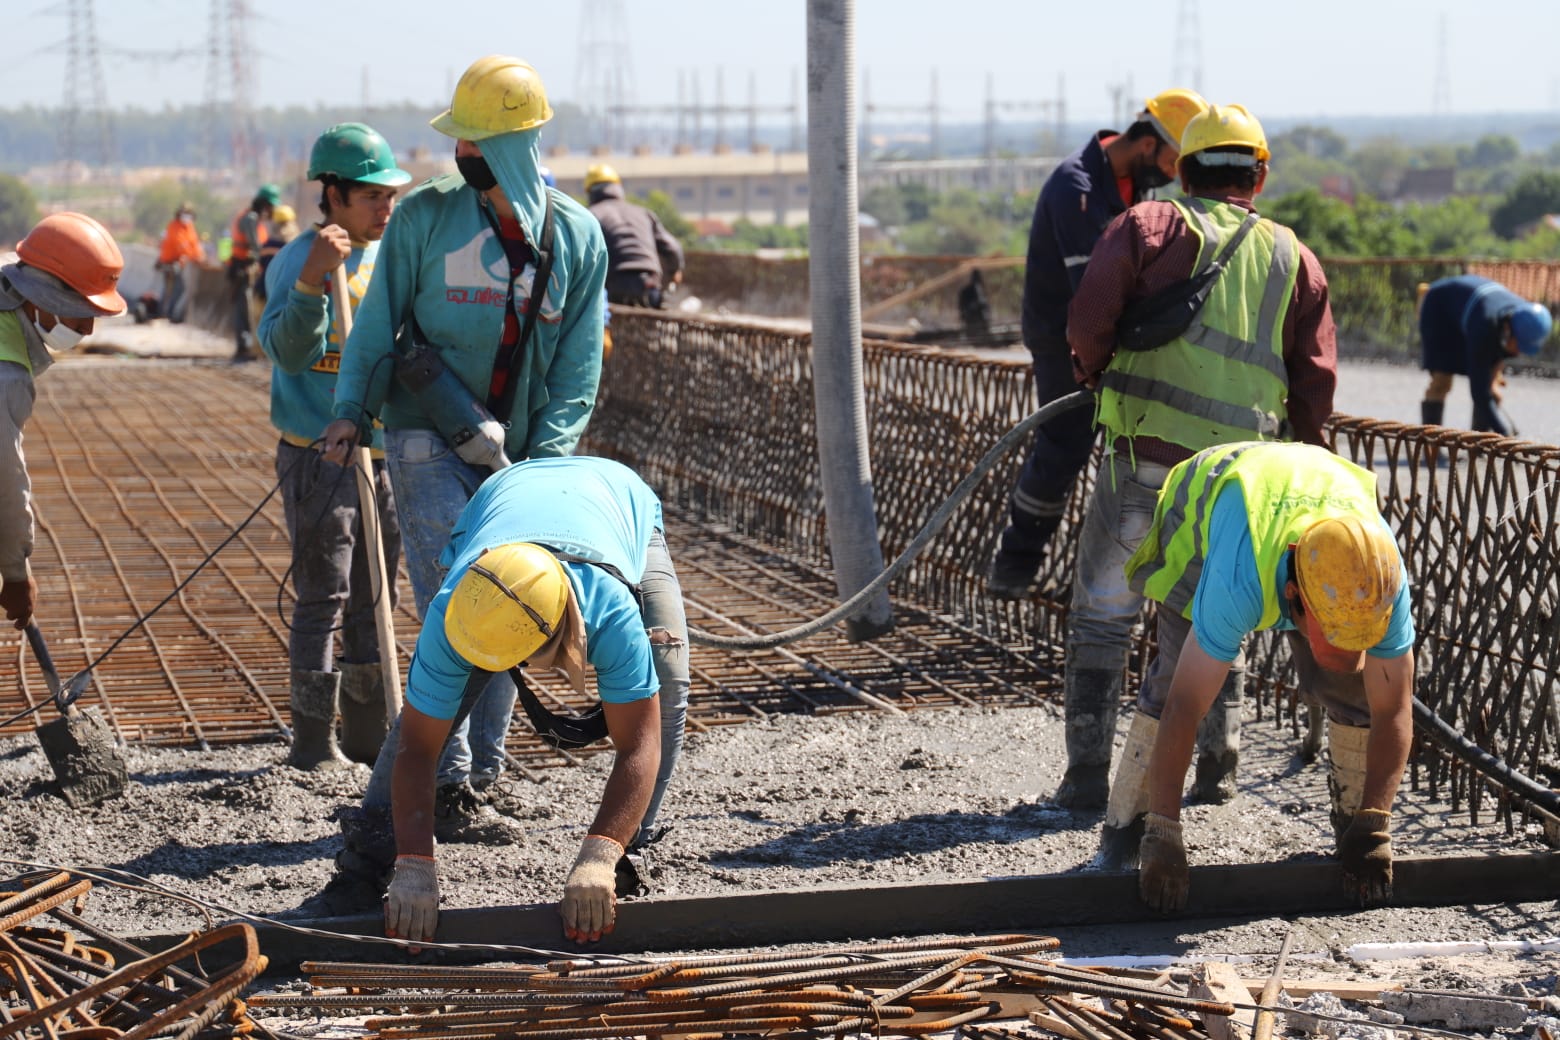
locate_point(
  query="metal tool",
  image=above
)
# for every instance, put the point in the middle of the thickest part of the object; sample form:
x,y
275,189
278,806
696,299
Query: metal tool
x,y
79,744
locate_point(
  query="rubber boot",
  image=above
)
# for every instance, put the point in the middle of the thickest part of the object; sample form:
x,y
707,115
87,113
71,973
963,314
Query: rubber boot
x,y
1431,413
1218,743
313,704
364,718
1346,779
1123,828
1091,698
363,867
461,816
1021,552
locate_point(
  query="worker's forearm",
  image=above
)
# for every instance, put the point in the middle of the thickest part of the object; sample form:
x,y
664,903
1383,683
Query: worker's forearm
x,y
16,519
627,794
411,801
1171,758
1389,689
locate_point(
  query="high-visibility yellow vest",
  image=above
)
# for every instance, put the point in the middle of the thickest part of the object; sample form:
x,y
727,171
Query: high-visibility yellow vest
x,y
1224,378
1287,487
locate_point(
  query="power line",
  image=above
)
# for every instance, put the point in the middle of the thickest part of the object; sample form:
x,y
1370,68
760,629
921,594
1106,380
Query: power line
x,y
1187,68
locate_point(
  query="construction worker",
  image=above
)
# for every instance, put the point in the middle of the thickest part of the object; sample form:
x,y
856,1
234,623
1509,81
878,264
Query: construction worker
x,y
301,334
458,277
645,259
1252,536
248,235
1079,198
1258,361
63,276
1469,326
283,229
555,563
180,246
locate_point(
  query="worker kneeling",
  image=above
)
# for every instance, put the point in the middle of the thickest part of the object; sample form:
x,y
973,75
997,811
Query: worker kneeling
x,y
1252,536
552,564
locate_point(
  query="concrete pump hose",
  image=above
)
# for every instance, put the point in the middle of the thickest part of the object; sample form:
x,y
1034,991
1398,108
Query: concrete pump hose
x,y
933,526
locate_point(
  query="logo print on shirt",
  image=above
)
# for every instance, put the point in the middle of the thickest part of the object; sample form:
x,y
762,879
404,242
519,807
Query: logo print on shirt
x,y
470,279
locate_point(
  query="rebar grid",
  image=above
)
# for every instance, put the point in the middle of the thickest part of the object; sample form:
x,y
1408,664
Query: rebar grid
x,y
128,503
892,989
54,985
1474,513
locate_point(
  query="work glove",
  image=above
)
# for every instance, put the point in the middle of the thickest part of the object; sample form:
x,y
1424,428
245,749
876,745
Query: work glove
x,y
1366,853
412,903
588,896
1162,876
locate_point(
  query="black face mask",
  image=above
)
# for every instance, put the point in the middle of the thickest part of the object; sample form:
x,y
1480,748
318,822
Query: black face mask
x,y
477,172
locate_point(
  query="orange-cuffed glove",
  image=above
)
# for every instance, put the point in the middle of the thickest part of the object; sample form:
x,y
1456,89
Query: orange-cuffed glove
x,y
589,906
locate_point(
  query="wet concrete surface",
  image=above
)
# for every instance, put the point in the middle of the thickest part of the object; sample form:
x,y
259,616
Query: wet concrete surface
x,y
797,802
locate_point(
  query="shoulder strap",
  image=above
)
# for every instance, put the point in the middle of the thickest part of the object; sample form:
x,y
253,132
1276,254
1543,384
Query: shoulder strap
x,y
544,265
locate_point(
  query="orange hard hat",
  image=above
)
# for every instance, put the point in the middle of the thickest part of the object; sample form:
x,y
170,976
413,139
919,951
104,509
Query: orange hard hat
x,y
81,253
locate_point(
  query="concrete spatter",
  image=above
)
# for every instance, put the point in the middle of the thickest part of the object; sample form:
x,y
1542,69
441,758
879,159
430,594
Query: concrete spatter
x,y
788,803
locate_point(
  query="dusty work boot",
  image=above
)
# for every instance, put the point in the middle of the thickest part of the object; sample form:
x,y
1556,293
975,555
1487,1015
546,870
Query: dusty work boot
x,y
1431,413
313,704
363,868
463,817
1122,831
1218,743
1091,698
1346,775
1020,553
364,717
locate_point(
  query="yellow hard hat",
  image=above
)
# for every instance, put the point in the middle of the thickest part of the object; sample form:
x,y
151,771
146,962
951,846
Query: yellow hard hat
x,y
601,173
506,606
1171,110
1349,571
283,213
1224,126
496,95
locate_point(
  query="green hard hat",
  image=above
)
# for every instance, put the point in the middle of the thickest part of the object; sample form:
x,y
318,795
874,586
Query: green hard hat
x,y
268,193
355,152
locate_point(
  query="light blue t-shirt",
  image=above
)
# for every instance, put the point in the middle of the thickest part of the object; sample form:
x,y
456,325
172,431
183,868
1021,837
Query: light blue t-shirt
x,y
1228,603
588,507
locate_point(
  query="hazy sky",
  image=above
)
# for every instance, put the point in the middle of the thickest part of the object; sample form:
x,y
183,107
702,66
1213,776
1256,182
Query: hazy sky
x,y
1306,58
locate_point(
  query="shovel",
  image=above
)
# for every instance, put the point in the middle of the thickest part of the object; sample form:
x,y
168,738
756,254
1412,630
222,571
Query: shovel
x,y
79,744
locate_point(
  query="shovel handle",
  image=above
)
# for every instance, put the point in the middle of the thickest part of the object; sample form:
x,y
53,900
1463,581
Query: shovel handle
x,y
40,650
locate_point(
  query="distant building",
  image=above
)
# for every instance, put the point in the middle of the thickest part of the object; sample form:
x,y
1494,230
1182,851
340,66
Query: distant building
x,y
1430,185
766,187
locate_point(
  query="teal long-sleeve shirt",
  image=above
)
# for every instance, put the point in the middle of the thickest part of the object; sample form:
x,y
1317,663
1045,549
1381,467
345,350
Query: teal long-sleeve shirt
x,y
300,333
441,261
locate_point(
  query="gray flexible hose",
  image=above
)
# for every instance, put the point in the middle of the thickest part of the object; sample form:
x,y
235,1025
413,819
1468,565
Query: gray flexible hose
x,y
933,526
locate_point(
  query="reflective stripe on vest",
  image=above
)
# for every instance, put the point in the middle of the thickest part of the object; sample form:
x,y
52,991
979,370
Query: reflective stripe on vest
x,y
1287,488
1224,378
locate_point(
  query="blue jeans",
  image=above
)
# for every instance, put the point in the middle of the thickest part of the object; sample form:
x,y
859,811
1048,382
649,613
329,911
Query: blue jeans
x,y
433,484
1117,519
663,609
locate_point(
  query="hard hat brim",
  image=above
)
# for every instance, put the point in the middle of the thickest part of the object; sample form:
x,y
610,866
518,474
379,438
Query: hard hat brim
x,y
446,124
47,293
388,178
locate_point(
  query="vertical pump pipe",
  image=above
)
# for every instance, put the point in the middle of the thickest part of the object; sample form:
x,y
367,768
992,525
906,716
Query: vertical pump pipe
x,y
834,273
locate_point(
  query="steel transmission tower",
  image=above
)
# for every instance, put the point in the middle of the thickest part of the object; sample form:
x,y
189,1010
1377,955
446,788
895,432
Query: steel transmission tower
x,y
83,63
604,70
230,90
1441,96
1186,68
